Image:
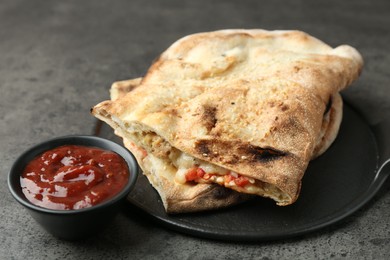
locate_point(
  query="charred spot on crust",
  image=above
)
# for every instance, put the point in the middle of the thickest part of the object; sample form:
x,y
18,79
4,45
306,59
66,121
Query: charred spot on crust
x,y
202,147
328,105
263,154
284,107
208,117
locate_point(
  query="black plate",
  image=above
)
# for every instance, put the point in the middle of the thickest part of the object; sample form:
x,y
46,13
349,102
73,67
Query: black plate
x,y
335,185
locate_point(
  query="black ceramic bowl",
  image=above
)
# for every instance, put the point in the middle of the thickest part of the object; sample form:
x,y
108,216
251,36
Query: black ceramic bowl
x,y
80,223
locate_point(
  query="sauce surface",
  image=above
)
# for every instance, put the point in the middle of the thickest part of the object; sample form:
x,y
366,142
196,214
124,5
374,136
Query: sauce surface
x,y
73,177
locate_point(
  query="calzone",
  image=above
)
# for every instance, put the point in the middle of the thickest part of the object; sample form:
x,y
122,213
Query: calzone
x,y
176,197
242,109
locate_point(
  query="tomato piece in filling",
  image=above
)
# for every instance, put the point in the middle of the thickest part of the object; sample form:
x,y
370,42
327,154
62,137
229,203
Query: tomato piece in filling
x,y
197,173
194,174
241,181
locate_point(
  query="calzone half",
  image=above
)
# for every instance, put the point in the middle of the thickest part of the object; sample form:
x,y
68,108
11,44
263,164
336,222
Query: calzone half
x,y
176,197
243,109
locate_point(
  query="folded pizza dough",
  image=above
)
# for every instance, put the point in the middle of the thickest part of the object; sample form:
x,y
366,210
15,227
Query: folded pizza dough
x,y
245,109
176,197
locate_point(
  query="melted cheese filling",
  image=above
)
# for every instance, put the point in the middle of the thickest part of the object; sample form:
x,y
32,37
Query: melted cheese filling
x,y
185,163
151,143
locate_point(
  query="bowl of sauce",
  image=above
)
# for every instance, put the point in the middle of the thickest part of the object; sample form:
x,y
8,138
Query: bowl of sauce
x,y
73,186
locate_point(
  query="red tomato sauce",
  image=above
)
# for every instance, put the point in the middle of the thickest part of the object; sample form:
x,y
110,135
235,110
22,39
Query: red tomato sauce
x,y
74,177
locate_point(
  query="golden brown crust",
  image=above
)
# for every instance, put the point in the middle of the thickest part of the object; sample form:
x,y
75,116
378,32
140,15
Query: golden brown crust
x,y
120,88
176,198
233,97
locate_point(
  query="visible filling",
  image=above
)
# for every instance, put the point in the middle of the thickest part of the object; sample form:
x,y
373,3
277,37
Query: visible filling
x,y
191,169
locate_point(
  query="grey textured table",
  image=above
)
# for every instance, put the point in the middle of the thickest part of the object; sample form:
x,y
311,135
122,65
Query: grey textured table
x,y
58,58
